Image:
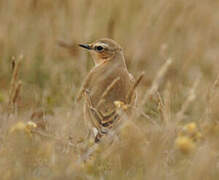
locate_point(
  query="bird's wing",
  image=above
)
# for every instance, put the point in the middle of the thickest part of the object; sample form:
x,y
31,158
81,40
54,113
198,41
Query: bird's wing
x,y
85,85
100,120
83,89
87,81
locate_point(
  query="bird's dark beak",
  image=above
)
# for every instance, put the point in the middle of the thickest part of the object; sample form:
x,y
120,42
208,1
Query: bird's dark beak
x,y
86,46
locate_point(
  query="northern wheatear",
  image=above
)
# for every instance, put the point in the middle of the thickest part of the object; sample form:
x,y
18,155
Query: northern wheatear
x,y
107,83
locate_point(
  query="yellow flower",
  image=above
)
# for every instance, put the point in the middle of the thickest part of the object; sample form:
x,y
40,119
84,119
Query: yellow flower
x,y
185,144
197,136
190,128
23,127
120,104
20,126
31,125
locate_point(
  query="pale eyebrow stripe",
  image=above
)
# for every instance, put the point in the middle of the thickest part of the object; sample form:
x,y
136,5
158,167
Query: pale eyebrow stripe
x,y
101,44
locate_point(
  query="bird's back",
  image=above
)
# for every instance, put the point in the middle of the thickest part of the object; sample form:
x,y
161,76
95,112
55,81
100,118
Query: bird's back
x,y
108,85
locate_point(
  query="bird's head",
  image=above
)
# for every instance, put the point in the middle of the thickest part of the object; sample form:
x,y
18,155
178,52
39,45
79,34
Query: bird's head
x,y
103,50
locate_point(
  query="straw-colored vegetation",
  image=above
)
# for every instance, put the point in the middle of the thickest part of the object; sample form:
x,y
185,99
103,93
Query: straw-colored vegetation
x,y
173,133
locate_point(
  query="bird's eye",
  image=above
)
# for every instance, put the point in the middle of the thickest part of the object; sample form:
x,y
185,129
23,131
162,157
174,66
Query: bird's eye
x,y
99,48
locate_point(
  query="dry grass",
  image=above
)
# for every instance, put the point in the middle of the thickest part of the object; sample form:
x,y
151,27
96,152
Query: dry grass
x,y
174,131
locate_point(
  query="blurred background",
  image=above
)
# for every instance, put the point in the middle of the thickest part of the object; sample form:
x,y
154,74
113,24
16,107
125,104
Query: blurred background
x,y
149,31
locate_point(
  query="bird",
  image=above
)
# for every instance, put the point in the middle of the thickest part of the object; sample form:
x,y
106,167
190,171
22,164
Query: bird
x,y
109,81
107,84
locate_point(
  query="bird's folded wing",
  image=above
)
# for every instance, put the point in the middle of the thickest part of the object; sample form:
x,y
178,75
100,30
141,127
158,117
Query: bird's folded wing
x,y
101,119
104,119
